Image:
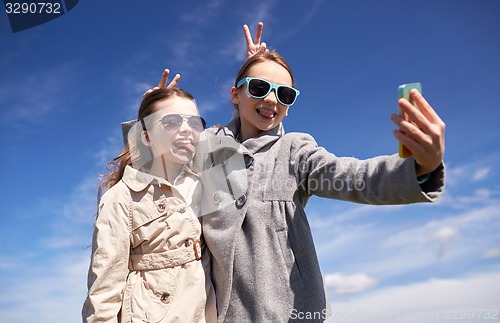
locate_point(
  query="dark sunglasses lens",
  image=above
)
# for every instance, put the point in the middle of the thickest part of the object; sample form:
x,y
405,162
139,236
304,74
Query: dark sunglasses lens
x,y
258,88
197,123
171,121
286,95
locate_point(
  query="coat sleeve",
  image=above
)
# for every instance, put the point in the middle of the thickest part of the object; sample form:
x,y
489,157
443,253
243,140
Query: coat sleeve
x,y
110,256
379,180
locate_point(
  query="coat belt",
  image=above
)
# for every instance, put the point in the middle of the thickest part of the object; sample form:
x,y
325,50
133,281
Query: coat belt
x,y
189,251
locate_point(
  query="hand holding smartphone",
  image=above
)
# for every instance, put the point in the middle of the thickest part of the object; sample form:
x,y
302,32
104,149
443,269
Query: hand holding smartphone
x,y
404,92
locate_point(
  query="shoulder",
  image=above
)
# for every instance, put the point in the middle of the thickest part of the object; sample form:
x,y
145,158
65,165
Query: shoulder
x,y
118,195
298,141
297,137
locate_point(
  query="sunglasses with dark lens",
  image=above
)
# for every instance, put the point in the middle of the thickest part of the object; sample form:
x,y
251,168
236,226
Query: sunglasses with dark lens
x,y
173,122
258,88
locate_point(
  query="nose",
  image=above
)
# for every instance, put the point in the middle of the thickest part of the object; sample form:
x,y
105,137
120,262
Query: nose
x,y
185,127
271,97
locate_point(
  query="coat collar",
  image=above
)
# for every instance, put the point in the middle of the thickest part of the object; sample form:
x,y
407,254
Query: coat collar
x,y
138,181
253,145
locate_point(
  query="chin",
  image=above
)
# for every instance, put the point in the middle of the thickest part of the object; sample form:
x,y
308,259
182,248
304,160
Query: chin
x,y
182,159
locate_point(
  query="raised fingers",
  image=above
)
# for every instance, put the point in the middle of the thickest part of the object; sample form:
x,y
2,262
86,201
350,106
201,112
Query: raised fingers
x,y
248,36
175,81
258,34
163,79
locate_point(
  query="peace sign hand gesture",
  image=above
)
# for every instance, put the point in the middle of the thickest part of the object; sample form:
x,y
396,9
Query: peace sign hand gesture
x,y
256,46
163,81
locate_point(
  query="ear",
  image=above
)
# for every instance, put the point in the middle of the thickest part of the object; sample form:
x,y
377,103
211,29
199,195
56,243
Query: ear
x,y
286,111
145,139
235,95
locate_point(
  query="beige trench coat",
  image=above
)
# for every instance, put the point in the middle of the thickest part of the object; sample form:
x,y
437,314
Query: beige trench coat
x,y
146,251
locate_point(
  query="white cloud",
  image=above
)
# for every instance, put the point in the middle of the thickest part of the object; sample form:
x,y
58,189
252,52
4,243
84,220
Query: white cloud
x,y
425,301
312,8
473,170
185,48
348,284
481,173
426,238
202,13
445,230
443,238
455,175
44,97
7,263
49,284
492,253
208,106
482,196
236,47
46,292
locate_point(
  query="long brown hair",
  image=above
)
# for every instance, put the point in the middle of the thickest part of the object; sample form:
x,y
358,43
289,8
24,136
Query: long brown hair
x,y
117,166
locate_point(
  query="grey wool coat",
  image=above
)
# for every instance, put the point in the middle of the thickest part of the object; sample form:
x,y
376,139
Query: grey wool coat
x,y
264,263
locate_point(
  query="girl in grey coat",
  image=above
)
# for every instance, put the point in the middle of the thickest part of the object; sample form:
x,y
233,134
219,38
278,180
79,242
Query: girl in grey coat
x,y
257,180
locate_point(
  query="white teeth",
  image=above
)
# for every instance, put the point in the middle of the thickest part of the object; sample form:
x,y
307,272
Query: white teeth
x,y
183,141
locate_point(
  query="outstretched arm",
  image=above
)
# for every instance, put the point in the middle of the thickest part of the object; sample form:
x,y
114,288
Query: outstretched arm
x,y
423,134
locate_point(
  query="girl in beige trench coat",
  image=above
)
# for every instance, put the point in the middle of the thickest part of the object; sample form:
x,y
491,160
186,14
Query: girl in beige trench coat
x,y
146,247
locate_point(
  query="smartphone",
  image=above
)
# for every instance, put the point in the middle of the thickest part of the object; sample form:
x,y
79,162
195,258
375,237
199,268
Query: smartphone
x,y
404,92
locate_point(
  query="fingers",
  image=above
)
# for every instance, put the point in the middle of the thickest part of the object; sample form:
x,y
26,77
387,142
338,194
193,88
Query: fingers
x,y
415,116
258,34
408,129
175,81
263,47
163,79
248,36
423,116
422,133
150,90
163,82
425,107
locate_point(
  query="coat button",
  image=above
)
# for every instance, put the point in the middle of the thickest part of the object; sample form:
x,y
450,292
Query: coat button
x,y
161,207
248,161
165,298
217,197
240,201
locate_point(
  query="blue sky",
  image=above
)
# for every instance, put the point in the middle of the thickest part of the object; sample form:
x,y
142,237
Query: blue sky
x,y
66,85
